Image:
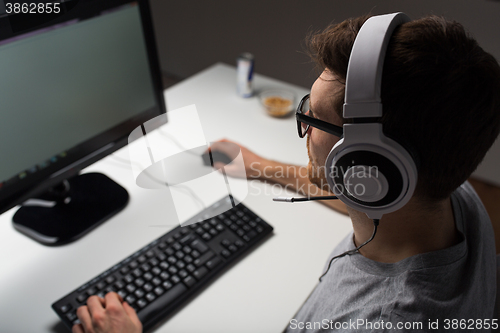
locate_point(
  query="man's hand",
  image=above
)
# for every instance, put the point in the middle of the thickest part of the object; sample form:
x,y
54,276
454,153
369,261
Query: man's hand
x,y
107,315
253,163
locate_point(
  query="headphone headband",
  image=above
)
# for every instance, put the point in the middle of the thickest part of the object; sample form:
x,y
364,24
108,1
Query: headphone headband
x,y
364,73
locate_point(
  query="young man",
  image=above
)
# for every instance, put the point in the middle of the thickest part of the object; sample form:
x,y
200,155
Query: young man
x,y
432,262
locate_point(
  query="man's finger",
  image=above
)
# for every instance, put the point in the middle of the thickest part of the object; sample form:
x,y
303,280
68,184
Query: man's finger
x,y
78,328
132,314
95,304
113,302
86,321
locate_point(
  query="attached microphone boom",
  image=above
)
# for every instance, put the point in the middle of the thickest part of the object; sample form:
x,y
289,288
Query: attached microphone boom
x,y
292,199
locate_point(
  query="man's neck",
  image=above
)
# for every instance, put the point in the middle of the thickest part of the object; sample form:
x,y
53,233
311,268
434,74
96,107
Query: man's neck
x,y
409,231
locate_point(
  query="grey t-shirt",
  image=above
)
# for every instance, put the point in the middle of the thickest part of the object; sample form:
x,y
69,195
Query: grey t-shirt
x,y
442,289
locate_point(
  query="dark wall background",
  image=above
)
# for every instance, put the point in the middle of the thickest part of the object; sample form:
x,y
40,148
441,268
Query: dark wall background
x,y
194,34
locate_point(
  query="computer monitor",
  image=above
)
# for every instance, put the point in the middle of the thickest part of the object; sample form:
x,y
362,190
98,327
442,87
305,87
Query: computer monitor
x,y
73,84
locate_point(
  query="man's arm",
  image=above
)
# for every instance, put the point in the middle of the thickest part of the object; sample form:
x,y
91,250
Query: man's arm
x,y
292,177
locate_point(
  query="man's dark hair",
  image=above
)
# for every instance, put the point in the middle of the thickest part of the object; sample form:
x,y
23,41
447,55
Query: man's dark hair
x,y
440,95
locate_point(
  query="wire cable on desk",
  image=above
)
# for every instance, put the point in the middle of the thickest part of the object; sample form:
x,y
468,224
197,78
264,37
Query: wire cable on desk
x,y
356,250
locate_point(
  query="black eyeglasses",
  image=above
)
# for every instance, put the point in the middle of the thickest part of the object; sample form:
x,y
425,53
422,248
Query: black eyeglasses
x,y
304,121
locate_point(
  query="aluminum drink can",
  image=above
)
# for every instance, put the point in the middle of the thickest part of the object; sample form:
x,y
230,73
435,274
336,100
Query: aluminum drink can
x,y
245,64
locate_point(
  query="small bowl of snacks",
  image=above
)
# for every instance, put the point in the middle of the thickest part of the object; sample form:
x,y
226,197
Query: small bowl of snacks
x,y
277,102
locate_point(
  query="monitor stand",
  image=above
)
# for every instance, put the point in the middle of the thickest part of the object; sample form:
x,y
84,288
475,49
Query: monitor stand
x,y
71,209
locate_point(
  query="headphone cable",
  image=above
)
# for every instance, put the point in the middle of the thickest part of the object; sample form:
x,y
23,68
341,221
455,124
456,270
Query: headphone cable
x,y
375,225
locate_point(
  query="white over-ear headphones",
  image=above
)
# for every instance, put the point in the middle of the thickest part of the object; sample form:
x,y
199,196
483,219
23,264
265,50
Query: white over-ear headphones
x,y
365,169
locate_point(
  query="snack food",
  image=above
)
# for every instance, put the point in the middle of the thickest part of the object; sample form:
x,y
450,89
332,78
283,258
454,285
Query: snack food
x,y
277,106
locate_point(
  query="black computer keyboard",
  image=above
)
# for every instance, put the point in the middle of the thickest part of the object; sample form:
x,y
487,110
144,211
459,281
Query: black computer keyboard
x,y
158,278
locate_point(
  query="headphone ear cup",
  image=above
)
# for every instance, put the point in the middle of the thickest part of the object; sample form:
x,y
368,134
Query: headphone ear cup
x,y
376,177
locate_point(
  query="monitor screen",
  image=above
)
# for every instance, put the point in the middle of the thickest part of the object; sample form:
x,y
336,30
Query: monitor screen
x,y
71,91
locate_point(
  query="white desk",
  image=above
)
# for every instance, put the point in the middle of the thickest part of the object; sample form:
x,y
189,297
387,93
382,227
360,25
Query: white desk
x,y
259,294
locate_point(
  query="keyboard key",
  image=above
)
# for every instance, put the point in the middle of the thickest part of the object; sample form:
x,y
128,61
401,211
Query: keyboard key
x,y
225,253
179,254
133,265
167,285
142,303
148,276
188,259
145,267
186,239
91,291
172,270
220,228
119,285
71,316
225,242
164,275
239,243
156,270
156,281
170,251
101,285
164,265
65,308
183,274
110,279
252,234
150,254
175,279
142,259
139,293
195,254
158,291
232,248
186,249
213,232
139,282
203,259
129,278
191,268
177,246
137,272
189,281
82,298
122,293
200,272
199,246
150,297
130,299
206,236
130,288
148,287
213,262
